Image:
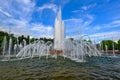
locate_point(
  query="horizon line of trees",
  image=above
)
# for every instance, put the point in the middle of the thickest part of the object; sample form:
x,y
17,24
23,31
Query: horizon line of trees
x,y
102,45
20,38
109,44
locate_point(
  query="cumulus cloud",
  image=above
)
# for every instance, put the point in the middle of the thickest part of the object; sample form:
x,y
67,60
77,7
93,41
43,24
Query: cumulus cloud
x,y
21,9
42,30
21,12
115,35
75,26
15,30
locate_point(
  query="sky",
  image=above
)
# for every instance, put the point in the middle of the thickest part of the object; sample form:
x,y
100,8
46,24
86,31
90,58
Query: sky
x,y
100,19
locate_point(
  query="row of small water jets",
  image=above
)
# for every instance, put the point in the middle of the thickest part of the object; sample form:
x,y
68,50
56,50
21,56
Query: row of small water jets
x,y
74,49
10,50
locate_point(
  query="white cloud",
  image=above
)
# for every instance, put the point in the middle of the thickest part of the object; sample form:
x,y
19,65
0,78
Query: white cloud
x,y
89,21
2,28
23,28
74,20
16,31
18,8
107,35
62,3
88,6
113,24
73,24
85,8
53,7
97,37
77,11
21,11
42,30
17,23
96,28
5,13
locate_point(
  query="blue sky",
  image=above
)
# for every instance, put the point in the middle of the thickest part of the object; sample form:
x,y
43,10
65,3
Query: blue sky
x,y
95,18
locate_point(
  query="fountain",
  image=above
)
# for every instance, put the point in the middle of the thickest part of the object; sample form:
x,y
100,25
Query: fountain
x,y
36,60
73,49
10,46
4,45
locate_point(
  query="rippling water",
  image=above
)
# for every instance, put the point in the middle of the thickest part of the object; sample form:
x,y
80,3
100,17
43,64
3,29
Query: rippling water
x,y
95,68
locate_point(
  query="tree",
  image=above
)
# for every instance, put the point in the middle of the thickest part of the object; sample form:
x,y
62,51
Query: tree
x,y
32,40
2,34
71,39
109,44
46,39
118,45
28,39
90,41
20,38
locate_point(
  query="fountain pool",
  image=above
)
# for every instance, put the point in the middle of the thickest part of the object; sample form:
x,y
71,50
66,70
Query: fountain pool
x,y
95,68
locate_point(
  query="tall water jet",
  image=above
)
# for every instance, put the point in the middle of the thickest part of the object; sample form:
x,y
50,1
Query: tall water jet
x,y
20,46
15,49
24,42
106,48
59,32
10,47
4,45
113,48
17,46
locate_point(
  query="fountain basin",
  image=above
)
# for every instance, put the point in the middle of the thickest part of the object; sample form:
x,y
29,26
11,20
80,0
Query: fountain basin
x,y
61,69
56,52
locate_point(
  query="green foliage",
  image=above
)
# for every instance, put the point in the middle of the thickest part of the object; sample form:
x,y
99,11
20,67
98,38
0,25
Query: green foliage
x,y
28,39
20,38
89,41
2,34
1,40
71,39
119,45
46,39
109,44
32,40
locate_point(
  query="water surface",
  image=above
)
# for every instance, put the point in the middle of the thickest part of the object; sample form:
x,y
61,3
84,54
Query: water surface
x,y
95,68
